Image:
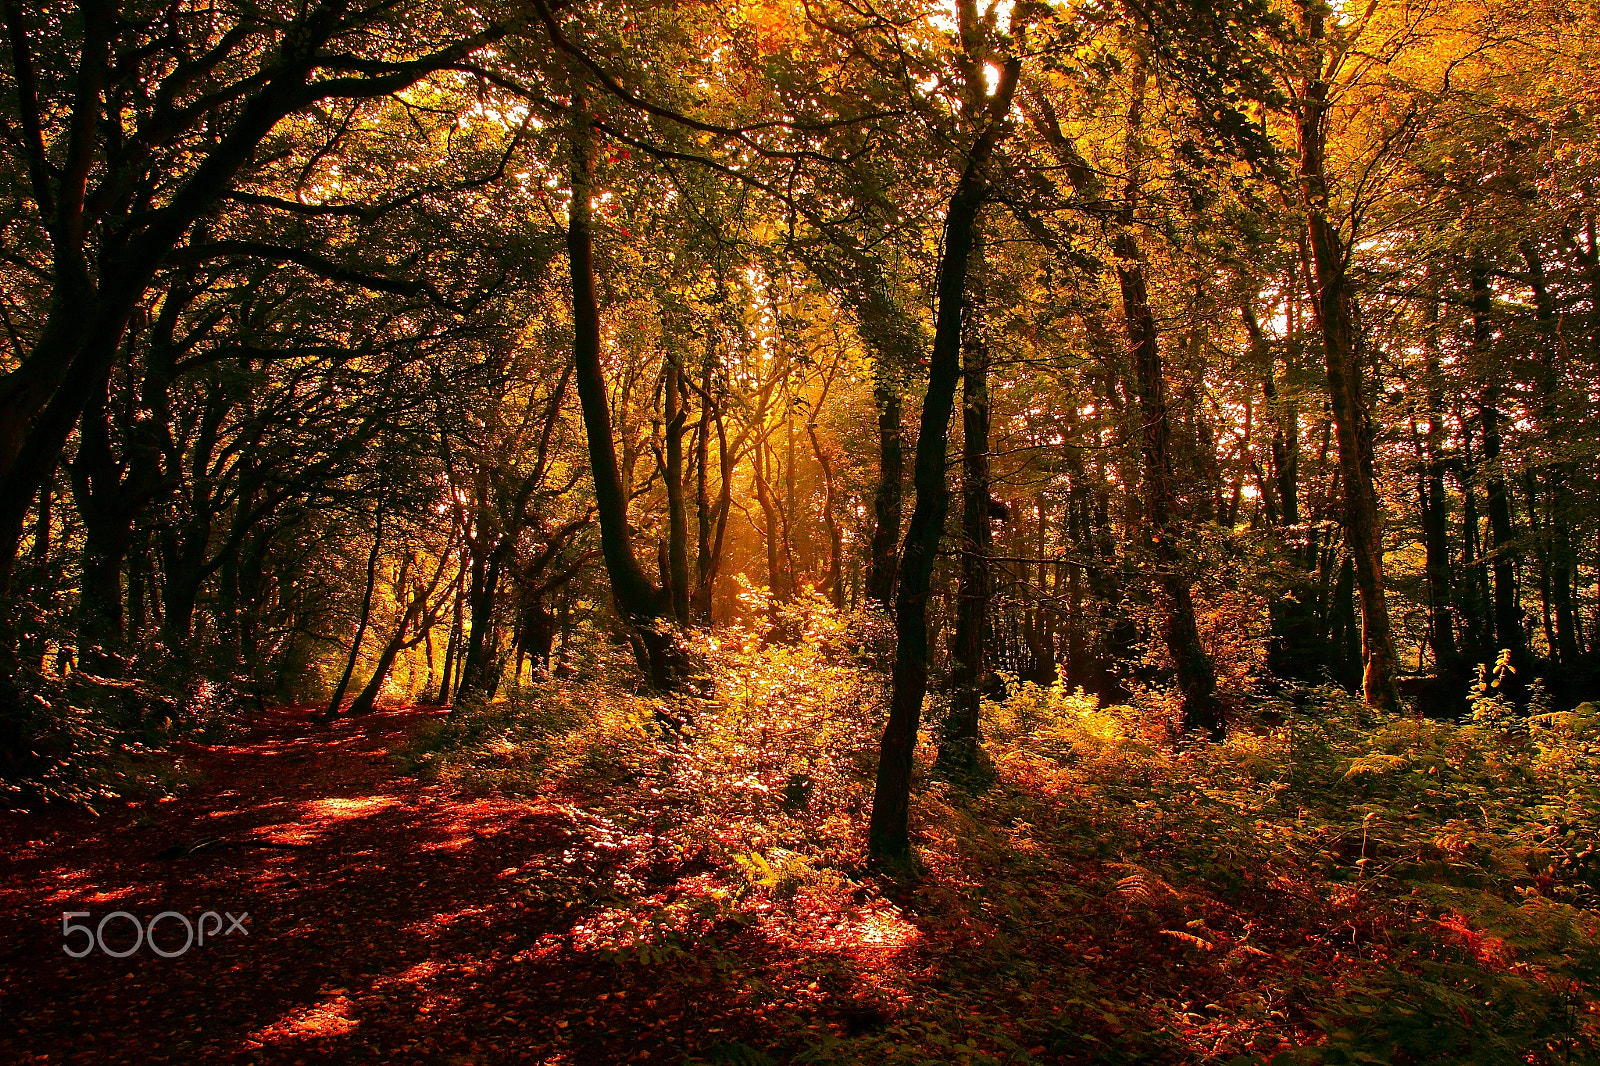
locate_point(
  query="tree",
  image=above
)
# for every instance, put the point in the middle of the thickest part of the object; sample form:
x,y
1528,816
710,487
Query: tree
x,y
888,833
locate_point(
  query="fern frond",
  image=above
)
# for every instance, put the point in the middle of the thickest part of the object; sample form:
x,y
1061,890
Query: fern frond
x,y
1190,939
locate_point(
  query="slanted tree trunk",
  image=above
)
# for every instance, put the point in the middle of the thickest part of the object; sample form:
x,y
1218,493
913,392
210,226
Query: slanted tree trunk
x,y
640,603
888,831
417,615
363,619
1342,350
1196,677
1197,680
368,696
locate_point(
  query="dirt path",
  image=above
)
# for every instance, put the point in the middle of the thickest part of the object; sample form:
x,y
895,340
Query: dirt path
x,y
385,919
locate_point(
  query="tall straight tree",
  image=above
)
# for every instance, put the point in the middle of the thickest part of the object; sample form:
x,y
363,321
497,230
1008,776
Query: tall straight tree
x,y
1508,634
1435,510
675,415
959,748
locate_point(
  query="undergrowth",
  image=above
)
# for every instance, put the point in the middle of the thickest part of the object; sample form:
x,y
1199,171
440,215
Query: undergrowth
x,y
92,740
1327,885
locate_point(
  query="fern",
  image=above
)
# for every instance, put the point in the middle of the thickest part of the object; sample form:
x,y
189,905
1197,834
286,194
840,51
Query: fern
x,y
1189,938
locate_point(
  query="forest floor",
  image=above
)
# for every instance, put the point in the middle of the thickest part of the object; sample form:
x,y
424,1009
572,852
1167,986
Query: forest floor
x,y
386,922
382,923
653,901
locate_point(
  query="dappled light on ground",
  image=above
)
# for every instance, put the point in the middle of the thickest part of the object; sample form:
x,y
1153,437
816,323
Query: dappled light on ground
x,y
394,921
338,809
702,897
326,1019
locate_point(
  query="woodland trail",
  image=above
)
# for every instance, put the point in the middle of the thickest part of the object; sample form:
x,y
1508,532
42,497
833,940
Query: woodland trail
x,y
386,922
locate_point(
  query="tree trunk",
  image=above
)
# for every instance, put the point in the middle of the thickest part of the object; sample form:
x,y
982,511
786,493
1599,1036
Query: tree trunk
x,y
959,748
452,644
1474,596
677,517
713,526
183,562
776,579
1196,677
888,831
539,636
1197,680
641,604
705,517
1283,485
1335,313
830,521
1562,475
479,674
1344,643
1508,634
368,697
1435,513
362,620
107,504
887,502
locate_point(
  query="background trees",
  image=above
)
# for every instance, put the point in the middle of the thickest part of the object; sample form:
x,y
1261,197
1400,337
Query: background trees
x,y
361,354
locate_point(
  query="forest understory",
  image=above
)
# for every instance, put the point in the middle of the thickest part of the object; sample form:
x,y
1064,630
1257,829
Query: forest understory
x,y
584,875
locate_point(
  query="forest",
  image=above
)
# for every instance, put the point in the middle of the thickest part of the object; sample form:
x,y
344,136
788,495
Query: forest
x,y
800,531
